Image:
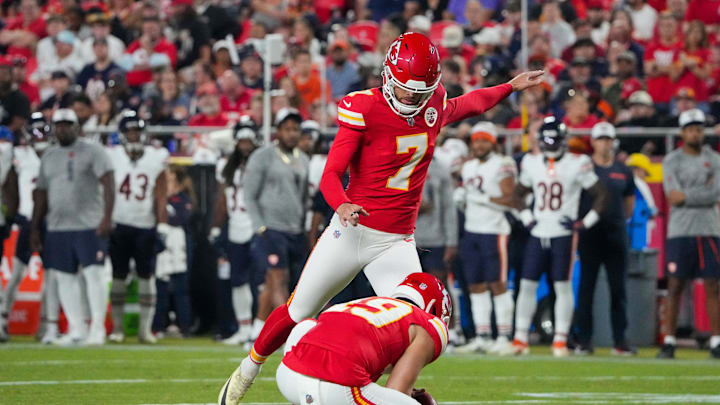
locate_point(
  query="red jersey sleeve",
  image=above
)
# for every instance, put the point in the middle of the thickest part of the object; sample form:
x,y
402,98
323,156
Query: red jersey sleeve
x,y
351,121
474,103
439,333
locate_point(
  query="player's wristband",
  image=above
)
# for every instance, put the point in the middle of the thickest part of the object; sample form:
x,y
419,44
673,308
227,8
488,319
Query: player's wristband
x,y
261,230
590,219
215,232
526,217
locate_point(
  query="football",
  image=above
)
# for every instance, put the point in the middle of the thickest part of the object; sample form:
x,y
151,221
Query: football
x,y
423,397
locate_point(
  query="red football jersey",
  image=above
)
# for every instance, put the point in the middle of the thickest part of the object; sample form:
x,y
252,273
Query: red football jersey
x,y
353,343
389,155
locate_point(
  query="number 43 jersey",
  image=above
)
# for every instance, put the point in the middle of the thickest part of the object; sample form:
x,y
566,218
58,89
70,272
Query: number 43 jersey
x,y
389,155
556,187
135,185
353,343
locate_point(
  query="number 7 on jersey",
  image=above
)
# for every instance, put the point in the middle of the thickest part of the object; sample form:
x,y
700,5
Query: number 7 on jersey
x,y
418,143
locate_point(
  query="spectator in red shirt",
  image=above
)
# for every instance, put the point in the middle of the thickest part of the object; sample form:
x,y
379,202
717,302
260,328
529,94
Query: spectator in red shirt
x,y
678,8
208,104
707,11
690,66
151,41
235,97
22,33
659,57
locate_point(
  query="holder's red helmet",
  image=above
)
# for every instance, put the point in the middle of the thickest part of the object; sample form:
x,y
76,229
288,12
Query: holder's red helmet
x,y
412,63
428,293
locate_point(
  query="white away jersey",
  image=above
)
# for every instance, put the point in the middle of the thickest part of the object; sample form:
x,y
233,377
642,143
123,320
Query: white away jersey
x,y
27,167
240,228
483,178
135,185
556,189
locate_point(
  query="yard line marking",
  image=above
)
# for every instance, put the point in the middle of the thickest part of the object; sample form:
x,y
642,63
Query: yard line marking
x,y
114,381
113,361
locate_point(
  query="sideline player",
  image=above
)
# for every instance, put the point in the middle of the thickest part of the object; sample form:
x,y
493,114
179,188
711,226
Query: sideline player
x,y
487,192
556,178
404,332
75,192
230,207
691,181
140,208
26,161
387,137
9,197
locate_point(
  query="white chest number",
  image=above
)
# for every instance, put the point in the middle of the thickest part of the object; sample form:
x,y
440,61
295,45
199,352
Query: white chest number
x,y
376,311
418,145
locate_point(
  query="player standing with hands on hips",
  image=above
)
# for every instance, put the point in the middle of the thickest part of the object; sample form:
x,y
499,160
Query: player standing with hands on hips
x,y
386,137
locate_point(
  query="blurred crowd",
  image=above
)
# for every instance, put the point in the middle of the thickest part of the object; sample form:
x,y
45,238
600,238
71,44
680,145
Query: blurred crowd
x,y
634,63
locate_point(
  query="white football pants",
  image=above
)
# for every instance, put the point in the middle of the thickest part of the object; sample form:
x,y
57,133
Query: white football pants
x,y
340,254
300,389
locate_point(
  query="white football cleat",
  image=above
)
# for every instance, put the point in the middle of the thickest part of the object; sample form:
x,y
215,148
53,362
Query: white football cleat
x,y
241,336
117,337
518,347
456,337
239,383
476,345
50,335
96,337
502,346
559,349
147,338
68,340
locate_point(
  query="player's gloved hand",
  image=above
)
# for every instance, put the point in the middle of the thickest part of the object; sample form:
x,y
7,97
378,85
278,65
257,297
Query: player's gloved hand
x,y
163,230
423,397
214,235
349,212
459,198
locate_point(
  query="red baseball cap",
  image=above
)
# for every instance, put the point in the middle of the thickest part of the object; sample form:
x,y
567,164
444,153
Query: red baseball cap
x,y
182,3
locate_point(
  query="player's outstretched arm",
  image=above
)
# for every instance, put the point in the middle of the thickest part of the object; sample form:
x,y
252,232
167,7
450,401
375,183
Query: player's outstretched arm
x,y
478,101
419,353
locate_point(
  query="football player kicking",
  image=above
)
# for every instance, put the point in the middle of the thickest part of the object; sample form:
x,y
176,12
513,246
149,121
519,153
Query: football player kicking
x,y
556,178
402,333
387,136
140,208
487,192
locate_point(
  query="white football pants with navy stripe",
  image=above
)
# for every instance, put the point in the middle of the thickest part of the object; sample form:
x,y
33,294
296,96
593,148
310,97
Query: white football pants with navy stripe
x,y
339,255
300,389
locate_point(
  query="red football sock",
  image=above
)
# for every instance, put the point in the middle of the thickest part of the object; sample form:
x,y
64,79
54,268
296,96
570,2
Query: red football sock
x,y
275,332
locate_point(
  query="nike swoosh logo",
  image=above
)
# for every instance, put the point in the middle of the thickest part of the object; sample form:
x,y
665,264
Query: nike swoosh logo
x,y
347,104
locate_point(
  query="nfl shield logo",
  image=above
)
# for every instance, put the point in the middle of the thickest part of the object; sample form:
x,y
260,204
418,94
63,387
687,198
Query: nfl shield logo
x,y
431,116
336,234
309,399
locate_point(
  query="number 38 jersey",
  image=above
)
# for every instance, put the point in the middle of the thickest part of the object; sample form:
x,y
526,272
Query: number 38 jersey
x,y
389,155
353,343
240,229
556,188
135,185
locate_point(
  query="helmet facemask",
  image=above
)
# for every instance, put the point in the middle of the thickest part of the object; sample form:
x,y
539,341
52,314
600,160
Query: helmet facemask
x,y
134,147
405,110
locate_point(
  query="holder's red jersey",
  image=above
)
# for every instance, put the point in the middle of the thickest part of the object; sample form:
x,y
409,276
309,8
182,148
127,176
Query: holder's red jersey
x,y
389,155
353,343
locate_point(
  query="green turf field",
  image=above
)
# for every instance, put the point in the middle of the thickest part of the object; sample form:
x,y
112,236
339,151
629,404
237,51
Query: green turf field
x,y
192,371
